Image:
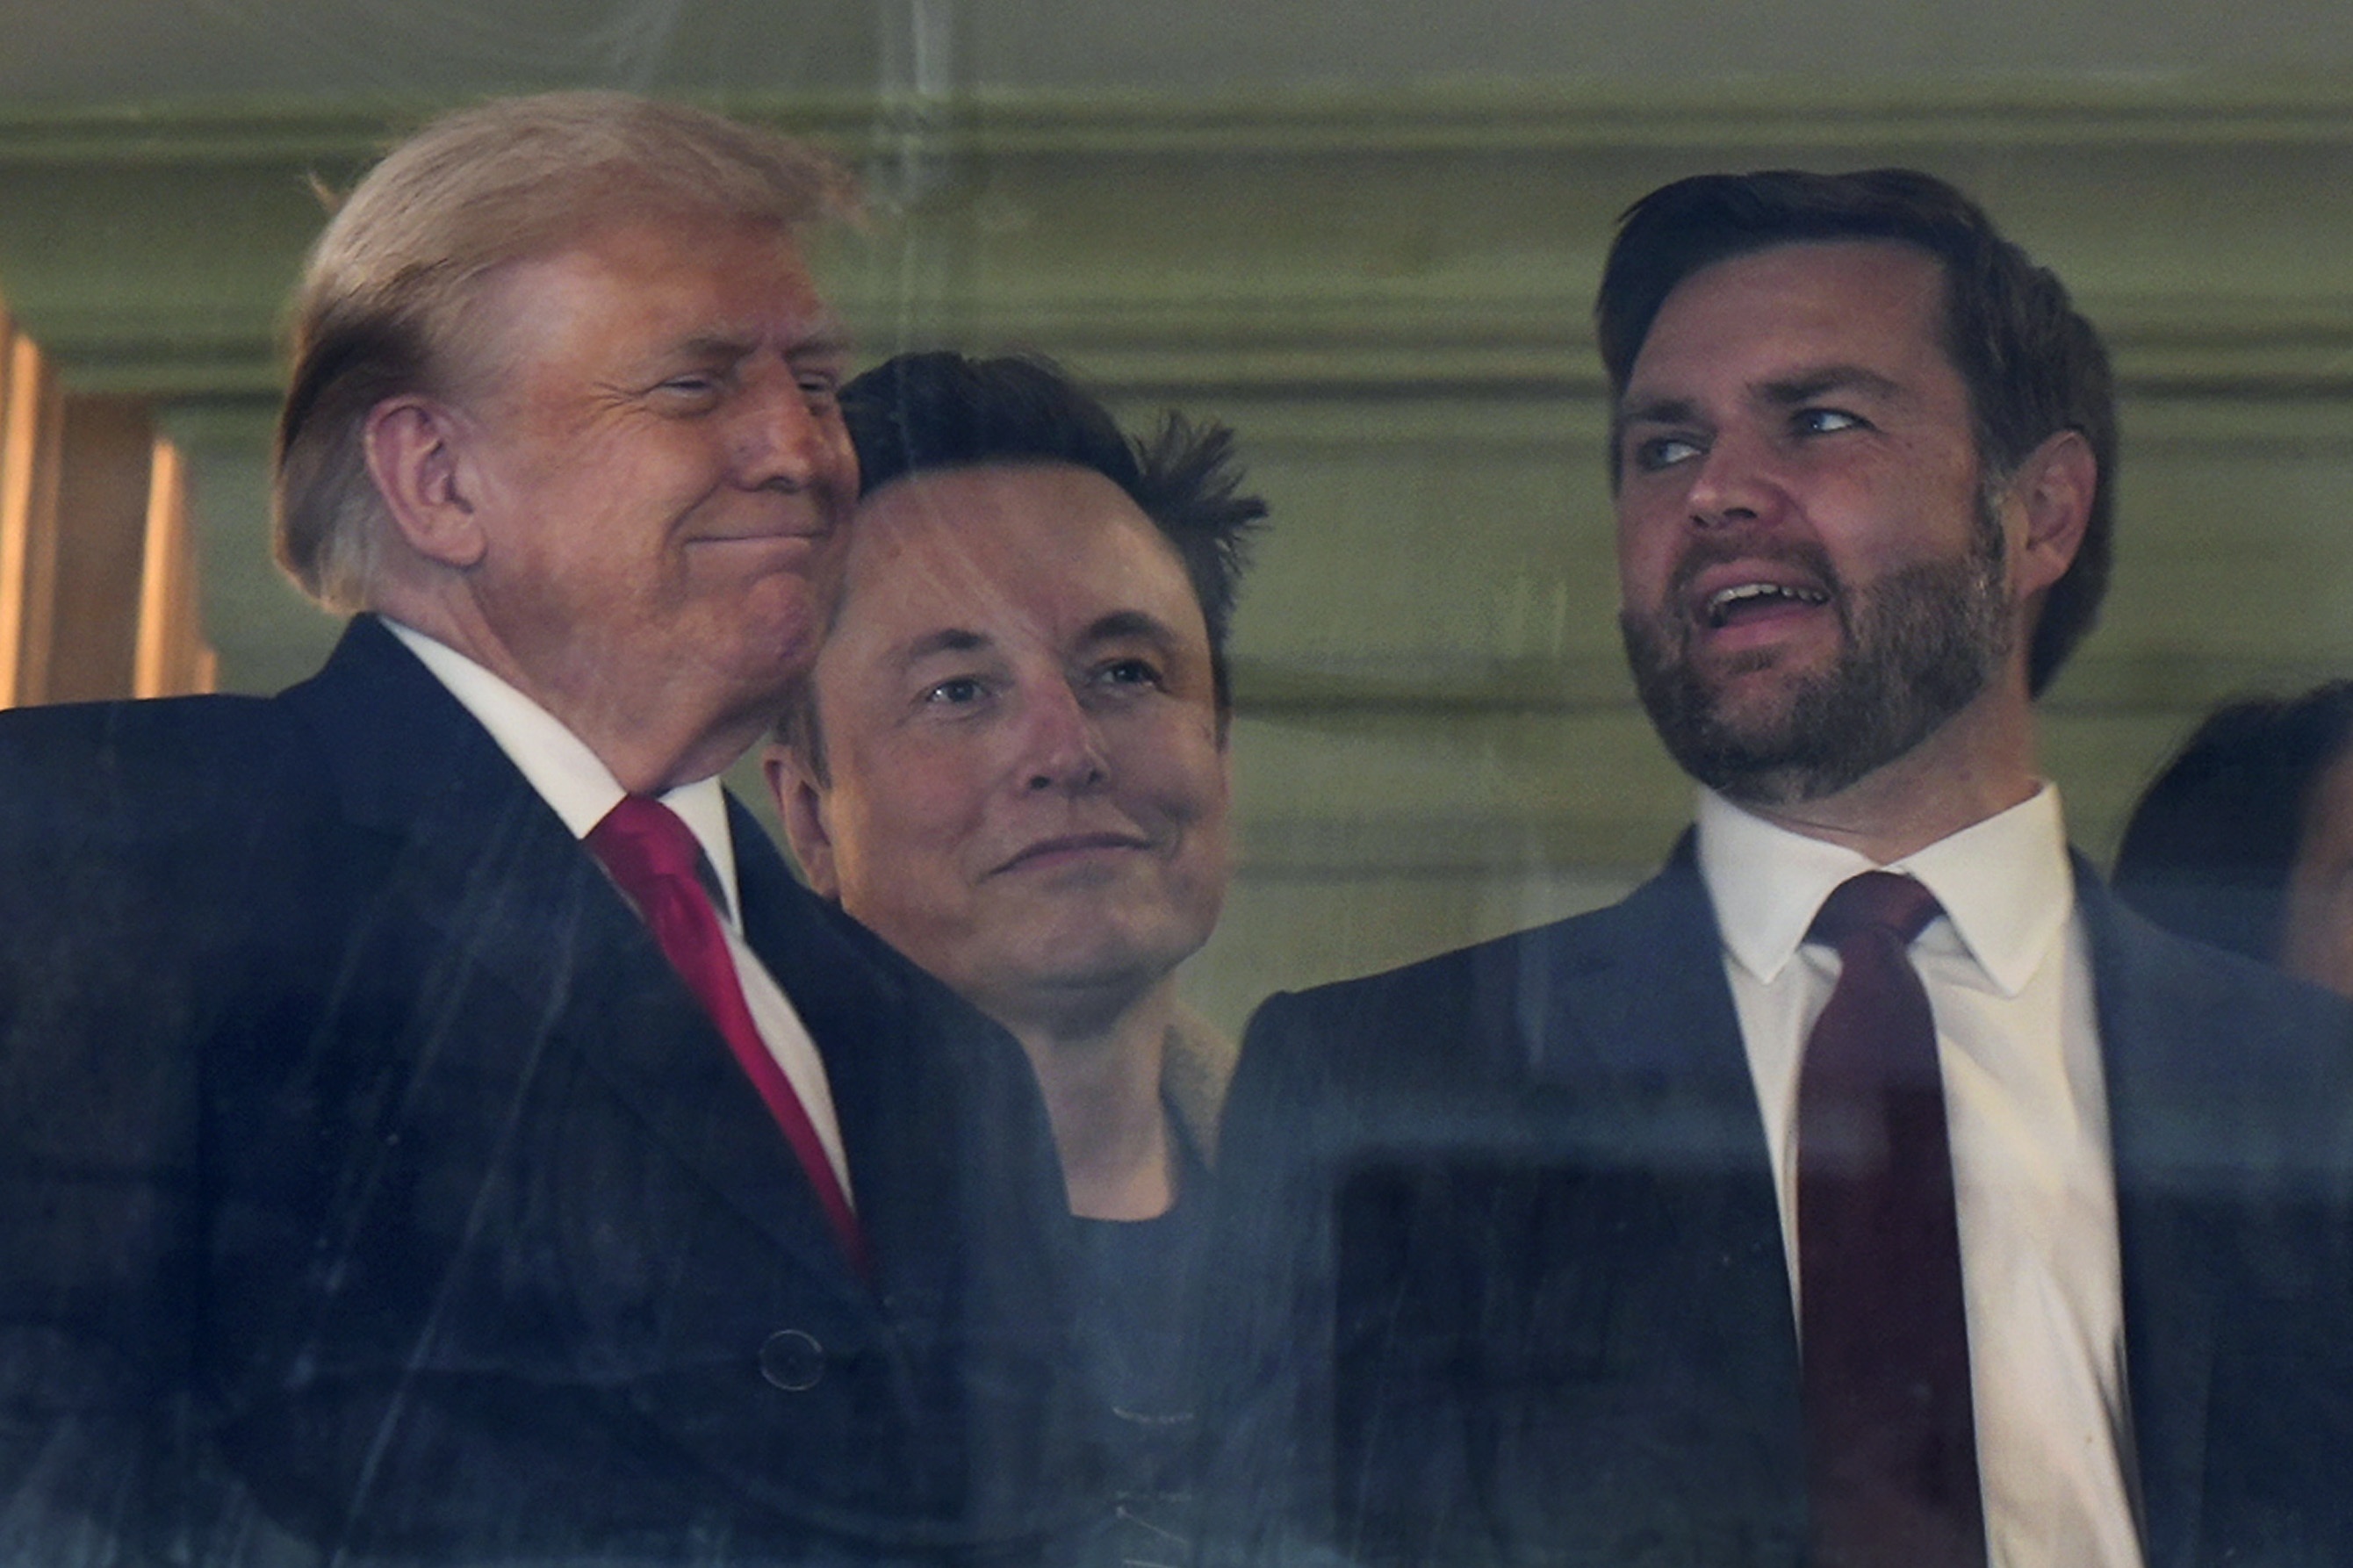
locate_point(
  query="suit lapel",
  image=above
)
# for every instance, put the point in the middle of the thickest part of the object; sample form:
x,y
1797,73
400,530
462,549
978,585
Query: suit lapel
x,y
866,1023
1638,1001
1644,1044
952,1163
2167,1282
478,857
1659,1016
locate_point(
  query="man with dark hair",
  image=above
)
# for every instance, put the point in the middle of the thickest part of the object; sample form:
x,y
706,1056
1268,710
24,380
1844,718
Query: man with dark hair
x,y
1004,524
440,1130
2032,365
2243,840
1010,762
1867,1188
938,409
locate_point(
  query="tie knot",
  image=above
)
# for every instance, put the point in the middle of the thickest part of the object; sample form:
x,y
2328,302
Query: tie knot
x,y
642,839
1875,900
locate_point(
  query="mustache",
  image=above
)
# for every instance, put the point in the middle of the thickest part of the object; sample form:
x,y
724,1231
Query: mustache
x,y
1710,551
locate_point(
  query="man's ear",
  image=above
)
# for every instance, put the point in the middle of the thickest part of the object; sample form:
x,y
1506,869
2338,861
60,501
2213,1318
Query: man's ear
x,y
415,455
2053,487
800,806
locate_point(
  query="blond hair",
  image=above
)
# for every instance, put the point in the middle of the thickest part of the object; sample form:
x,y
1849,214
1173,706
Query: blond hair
x,y
381,306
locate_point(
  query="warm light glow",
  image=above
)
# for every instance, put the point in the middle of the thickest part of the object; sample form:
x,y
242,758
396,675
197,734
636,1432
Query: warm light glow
x,y
26,555
161,664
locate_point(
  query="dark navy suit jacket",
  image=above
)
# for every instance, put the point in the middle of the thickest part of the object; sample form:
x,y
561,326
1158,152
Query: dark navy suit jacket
x,y
374,1186
1502,1277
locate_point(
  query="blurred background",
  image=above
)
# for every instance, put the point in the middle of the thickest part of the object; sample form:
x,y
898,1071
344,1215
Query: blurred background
x,y
1364,232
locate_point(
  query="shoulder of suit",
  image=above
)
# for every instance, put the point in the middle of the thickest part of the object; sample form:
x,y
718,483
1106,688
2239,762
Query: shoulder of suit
x,y
155,759
61,728
153,823
2223,1074
1453,1020
1596,937
2129,950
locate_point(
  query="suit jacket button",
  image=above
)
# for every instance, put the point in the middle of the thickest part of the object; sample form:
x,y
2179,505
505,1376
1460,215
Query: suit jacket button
x,y
792,1361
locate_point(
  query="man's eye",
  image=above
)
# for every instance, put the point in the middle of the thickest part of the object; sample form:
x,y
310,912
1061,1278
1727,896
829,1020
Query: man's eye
x,y
955,692
1129,672
699,386
1653,453
1826,421
819,385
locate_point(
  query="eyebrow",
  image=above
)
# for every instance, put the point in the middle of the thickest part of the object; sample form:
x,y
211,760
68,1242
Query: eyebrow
x,y
827,340
1113,627
1658,411
712,345
947,640
1122,624
1832,378
1788,393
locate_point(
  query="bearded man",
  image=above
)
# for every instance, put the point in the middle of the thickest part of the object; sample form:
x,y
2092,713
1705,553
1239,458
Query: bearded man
x,y
1868,1187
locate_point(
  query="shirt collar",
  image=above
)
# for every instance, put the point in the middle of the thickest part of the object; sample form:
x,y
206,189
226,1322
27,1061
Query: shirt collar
x,y
2005,884
558,765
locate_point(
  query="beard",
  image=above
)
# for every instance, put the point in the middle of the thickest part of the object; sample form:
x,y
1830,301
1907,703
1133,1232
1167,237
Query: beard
x,y
1914,648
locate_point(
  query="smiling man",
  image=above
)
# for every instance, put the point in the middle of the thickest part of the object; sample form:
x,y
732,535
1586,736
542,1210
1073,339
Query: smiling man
x,y
1011,762
1868,1188
442,1130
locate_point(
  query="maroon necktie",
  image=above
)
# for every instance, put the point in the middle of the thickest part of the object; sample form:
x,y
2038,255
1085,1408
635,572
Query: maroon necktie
x,y
1890,1442
655,858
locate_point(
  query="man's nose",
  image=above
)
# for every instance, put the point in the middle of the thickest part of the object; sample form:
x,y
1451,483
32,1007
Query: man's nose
x,y
1739,482
1062,742
791,439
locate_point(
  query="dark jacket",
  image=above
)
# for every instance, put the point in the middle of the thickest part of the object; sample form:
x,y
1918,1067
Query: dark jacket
x,y
375,1186
1502,1275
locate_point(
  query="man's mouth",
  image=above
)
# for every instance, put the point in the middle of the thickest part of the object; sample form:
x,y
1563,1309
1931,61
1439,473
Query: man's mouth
x,y
1070,845
1742,601
782,533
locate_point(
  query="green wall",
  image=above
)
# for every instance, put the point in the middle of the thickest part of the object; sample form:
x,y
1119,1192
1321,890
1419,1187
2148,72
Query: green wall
x,y
1385,294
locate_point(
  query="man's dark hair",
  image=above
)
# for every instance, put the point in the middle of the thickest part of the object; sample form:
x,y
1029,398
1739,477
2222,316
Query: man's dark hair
x,y
936,410
2209,846
2032,365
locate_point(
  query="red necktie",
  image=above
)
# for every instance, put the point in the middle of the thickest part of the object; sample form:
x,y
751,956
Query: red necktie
x,y
655,858
1891,1440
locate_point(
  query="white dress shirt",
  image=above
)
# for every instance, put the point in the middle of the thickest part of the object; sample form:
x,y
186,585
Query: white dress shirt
x,y
2006,967
581,790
